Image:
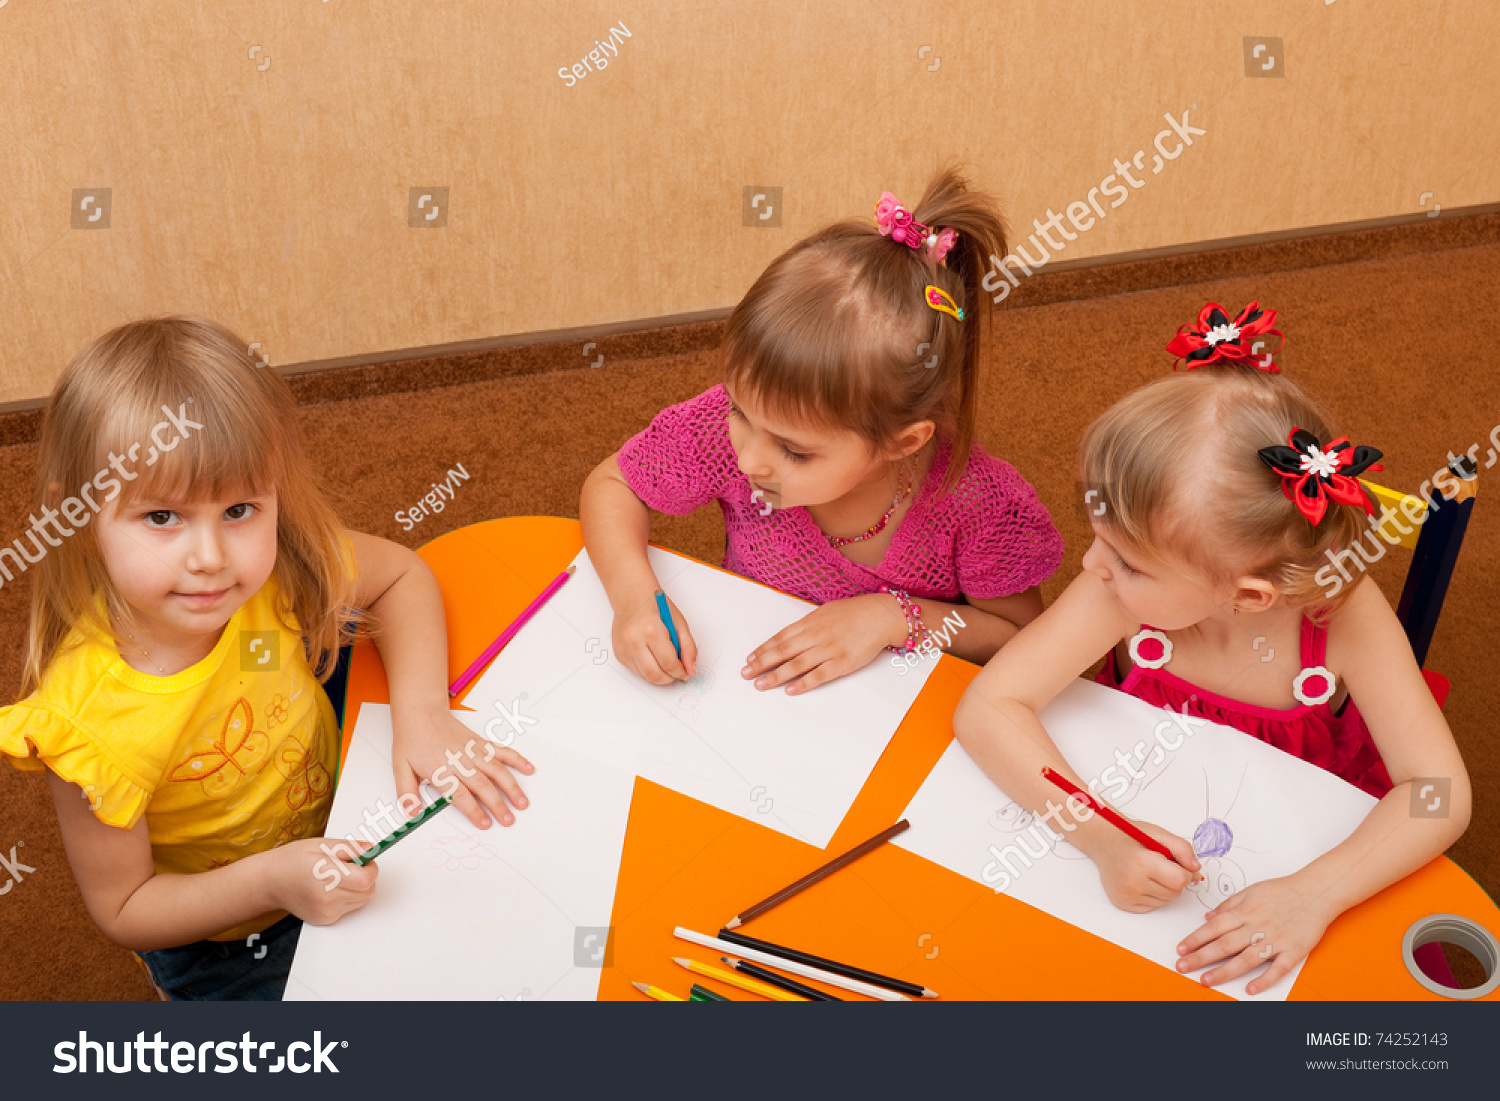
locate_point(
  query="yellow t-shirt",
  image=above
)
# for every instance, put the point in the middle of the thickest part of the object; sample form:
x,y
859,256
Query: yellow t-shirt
x,y
232,756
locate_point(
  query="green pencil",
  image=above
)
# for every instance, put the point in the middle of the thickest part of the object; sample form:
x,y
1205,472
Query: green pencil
x,y
704,994
401,831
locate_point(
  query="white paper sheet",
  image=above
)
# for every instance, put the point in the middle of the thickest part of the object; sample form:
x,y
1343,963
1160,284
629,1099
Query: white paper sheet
x,y
1261,812
464,913
793,763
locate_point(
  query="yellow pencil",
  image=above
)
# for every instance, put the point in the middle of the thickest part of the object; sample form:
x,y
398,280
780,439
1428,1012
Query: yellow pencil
x,y
733,978
655,992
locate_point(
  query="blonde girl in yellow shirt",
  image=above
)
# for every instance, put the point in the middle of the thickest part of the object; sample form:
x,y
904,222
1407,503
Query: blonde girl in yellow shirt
x,y
191,589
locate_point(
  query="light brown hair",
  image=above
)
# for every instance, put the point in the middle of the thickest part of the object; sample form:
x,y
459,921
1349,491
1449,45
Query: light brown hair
x,y
837,330
1177,466
104,408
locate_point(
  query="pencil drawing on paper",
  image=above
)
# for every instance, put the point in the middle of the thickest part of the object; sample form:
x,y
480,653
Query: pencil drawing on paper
x,y
1212,842
691,692
458,853
1016,819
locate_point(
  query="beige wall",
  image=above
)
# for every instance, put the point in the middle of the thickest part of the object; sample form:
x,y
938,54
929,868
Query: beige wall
x,y
271,191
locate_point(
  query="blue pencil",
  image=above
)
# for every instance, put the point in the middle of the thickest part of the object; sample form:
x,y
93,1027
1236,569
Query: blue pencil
x,y
666,617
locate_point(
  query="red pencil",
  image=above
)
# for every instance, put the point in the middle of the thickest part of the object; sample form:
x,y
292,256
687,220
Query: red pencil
x,y
1108,814
510,632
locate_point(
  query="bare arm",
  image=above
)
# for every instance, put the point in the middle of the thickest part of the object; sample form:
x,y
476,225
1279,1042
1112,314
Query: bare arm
x,y
402,593
996,723
138,909
616,529
1369,649
1283,919
400,590
987,623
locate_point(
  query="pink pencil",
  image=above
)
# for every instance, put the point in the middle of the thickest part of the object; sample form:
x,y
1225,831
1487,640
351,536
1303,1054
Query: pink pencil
x,y
510,632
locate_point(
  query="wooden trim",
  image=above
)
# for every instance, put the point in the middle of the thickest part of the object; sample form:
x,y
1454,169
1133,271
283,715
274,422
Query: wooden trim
x,y
453,364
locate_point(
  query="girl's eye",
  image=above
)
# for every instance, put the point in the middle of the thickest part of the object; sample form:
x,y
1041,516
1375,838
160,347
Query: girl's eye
x,y
160,518
238,512
796,457
1126,566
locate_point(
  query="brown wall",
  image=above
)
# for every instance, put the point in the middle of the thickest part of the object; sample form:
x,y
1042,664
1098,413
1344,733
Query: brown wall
x,y
269,188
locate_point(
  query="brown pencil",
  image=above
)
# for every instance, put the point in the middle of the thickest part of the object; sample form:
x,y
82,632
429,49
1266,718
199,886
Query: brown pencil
x,y
812,877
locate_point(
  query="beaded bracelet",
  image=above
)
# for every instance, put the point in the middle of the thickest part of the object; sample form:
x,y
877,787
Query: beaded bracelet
x,y
917,632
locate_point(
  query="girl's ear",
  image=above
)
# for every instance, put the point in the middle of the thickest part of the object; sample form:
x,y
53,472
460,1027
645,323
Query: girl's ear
x,y
1254,594
910,439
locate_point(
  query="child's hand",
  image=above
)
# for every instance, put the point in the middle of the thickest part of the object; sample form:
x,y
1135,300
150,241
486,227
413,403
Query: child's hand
x,y
318,888
431,744
1137,879
829,642
643,646
1277,919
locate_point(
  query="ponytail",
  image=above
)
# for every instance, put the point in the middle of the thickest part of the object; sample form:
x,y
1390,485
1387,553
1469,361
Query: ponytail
x,y
838,329
949,203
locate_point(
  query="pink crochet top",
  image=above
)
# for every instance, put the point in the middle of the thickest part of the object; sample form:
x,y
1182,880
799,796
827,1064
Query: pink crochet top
x,y
1338,741
989,537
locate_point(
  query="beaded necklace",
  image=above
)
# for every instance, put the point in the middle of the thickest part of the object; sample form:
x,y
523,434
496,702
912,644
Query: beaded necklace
x,y
837,541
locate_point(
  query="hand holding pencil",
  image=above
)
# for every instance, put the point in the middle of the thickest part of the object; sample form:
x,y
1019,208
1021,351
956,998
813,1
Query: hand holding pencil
x,y
652,639
1130,855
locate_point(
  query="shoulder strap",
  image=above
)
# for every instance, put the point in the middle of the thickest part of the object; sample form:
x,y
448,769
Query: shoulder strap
x,y
1314,643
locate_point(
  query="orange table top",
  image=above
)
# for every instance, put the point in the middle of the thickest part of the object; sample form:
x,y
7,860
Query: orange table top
x,y
687,863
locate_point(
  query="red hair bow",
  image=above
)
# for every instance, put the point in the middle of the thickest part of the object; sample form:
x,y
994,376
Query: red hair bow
x,y
1312,475
1219,340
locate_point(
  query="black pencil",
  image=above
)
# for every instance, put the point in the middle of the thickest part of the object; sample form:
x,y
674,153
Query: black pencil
x,y
808,959
791,986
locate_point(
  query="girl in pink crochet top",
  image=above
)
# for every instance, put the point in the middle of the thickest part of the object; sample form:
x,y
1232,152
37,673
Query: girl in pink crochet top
x,y
840,449
1221,496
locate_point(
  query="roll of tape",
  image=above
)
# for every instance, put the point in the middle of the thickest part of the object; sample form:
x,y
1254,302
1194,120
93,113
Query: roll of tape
x,y
1466,934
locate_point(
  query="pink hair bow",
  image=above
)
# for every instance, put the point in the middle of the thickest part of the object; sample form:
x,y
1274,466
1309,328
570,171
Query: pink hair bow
x,y
897,223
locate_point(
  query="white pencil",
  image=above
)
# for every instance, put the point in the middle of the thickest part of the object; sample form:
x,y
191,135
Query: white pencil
x,y
852,985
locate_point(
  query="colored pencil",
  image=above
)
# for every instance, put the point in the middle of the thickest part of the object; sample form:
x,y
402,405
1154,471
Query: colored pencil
x,y
772,992
704,994
429,811
655,992
767,975
666,617
1108,813
841,981
812,877
807,958
510,632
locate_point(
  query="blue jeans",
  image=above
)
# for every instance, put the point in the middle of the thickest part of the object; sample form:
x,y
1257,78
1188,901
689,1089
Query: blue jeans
x,y
223,970
216,970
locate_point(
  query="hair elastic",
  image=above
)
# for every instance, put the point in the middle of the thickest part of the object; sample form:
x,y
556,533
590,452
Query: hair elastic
x,y
896,222
1313,475
941,300
1220,340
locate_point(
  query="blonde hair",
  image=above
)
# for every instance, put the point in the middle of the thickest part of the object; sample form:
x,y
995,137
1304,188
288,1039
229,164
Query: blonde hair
x,y
1177,468
104,409
837,330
